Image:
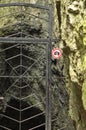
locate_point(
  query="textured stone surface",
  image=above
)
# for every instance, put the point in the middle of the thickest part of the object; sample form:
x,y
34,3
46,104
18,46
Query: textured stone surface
x,y
73,17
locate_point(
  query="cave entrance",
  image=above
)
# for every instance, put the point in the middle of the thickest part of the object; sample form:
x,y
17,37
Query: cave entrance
x,y
25,74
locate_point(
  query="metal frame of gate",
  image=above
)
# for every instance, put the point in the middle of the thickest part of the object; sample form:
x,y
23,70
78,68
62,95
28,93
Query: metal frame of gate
x,y
48,41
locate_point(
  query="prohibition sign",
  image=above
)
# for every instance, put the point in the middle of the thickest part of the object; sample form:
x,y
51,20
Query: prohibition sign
x,y
56,53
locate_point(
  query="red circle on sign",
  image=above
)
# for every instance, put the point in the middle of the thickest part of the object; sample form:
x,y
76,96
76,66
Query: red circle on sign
x,y
56,53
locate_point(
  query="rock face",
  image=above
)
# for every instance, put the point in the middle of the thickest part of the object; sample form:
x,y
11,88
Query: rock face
x,y
73,36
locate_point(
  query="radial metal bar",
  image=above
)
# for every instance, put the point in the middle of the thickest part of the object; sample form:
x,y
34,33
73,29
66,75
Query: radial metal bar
x,y
48,73
3,127
38,126
9,118
35,105
9,48
33,117
13,107
27,108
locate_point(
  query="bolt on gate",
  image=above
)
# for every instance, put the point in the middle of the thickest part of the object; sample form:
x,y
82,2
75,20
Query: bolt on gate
x,y
25,66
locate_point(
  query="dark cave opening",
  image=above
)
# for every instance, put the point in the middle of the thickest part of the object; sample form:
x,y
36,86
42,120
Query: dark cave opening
x,y
12,112
27,113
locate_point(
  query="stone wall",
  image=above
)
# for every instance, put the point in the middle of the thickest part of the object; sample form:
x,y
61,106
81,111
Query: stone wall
x,y
73,37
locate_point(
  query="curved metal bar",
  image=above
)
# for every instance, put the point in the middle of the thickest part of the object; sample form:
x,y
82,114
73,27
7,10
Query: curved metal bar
x,y
25,4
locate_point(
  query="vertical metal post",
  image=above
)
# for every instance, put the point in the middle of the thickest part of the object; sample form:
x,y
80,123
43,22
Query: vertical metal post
x,y
48,73
20,77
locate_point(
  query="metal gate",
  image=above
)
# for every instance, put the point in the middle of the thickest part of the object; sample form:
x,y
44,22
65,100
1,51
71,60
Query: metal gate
x,y
25,67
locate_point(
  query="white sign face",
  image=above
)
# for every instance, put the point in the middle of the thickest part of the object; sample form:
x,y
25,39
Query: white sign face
x,y
56,53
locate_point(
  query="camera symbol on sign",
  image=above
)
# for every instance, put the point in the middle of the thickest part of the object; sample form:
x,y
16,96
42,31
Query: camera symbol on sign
x,y
56,53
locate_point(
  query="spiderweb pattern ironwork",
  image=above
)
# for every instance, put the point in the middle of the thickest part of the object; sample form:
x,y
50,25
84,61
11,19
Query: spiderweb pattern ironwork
x,y
20,88
18,76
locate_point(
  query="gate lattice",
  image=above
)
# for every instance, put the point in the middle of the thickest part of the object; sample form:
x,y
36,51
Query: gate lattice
x,y
26,62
